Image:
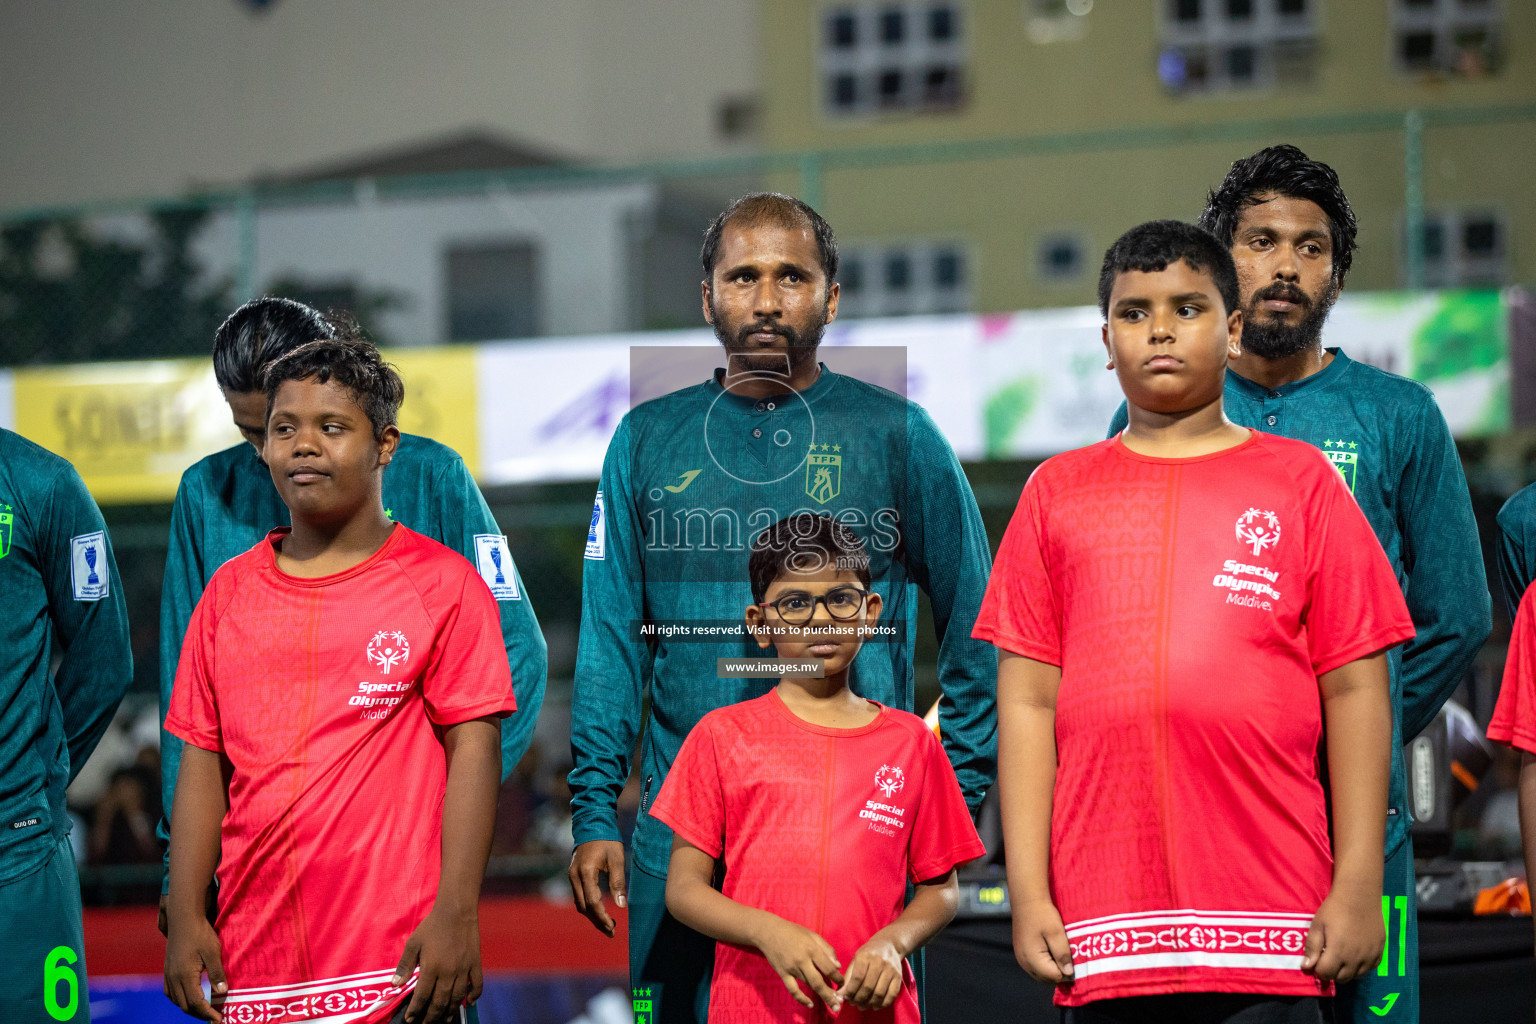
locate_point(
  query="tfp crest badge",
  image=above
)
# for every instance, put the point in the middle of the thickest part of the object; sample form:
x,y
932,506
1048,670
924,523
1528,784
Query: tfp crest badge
x,y
823,476
1345,460
7,525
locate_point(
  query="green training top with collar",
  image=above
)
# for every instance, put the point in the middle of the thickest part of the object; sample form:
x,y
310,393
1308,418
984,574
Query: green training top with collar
x,y
1387,437
58,578
1517,546
226,504
689,481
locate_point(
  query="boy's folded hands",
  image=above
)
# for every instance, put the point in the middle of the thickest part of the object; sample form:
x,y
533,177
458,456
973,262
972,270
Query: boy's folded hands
x,y
874,977
1040,942
799,954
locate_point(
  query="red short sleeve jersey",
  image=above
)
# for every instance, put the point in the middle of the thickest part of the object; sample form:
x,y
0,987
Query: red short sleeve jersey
x,y
326,697
1514,717
823,827
1191,605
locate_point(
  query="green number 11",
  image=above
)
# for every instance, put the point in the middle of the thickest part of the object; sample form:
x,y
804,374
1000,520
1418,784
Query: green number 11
x,y
1387,905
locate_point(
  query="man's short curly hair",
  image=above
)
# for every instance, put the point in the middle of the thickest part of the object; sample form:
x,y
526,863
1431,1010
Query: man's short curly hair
x,y
351,361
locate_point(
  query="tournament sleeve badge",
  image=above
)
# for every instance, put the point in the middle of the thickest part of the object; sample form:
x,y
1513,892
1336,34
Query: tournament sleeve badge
x,y
87,566
495,564
597,533
7,525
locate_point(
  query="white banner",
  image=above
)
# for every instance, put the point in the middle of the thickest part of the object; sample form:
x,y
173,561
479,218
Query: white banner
x,y
1013,385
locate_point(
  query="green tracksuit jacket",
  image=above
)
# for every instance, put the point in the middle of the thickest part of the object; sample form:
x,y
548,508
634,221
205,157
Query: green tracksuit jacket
x,y
58,579
1386,435
227,503
1517,546
689,481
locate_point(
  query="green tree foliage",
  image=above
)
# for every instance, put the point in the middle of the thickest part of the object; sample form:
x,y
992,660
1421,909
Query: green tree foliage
x,y
69,294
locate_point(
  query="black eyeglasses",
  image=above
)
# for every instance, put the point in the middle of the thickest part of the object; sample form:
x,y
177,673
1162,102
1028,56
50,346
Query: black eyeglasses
x,y
797,608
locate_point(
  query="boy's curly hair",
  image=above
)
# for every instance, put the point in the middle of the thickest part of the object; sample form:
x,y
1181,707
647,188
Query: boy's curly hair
x,y
351,361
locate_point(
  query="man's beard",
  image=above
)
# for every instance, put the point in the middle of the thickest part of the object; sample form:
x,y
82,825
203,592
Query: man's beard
x,y
802,345
1274,339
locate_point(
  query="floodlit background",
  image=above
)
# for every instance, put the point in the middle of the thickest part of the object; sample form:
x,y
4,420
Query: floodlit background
x,y
510,195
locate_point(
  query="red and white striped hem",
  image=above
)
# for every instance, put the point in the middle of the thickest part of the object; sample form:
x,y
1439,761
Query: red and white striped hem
x,y
1220,939
321,1001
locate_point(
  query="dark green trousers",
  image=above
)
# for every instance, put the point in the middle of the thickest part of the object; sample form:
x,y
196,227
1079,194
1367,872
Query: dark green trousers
x,y
1390,995
44,942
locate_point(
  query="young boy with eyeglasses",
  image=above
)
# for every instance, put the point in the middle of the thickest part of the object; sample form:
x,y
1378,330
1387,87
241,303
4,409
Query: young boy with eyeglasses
x,y
822,804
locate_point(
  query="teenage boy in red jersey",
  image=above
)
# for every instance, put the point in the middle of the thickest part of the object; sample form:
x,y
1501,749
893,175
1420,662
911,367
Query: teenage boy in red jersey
x,y
1514,718
1180,611
339,694
822,804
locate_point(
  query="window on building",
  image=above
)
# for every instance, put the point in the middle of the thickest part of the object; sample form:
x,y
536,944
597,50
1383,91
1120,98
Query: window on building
x,y
903,279
1231,45
1061,257
1460,38
1464,249
891,56
492,292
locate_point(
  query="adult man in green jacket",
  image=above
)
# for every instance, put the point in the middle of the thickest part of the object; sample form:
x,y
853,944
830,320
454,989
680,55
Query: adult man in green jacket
x,y
1292,234
1517,546
58,579
226,504
689,481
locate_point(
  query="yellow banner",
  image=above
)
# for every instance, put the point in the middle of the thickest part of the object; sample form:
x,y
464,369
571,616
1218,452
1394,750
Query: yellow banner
x,y
440,397
132,428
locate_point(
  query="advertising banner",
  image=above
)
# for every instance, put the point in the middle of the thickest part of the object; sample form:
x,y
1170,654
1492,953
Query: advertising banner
x,y
1011,385
132,428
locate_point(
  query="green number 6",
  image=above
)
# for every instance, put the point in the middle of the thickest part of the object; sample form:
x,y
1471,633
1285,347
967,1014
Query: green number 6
x,y
56,971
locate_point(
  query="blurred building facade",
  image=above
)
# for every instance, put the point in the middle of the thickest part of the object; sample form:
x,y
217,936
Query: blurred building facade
x,y
1121,112
151,98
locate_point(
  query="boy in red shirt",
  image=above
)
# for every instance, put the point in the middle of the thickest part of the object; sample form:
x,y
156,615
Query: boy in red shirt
x,y
823,806
1514,719
1180,611
340,684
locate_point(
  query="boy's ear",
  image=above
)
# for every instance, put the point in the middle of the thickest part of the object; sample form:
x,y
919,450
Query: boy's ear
x,y
756,625
1108,350
389,444
1234,334
872,605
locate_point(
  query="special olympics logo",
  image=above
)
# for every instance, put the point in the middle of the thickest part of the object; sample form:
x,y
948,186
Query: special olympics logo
x,y
1259,530
890,780
387,649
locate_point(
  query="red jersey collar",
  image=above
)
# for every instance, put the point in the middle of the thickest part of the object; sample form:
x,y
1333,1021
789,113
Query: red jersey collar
x,y
827,730
269,545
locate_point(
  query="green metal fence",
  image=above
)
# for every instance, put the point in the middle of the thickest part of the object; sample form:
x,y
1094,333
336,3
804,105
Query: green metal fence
x,y
133,278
